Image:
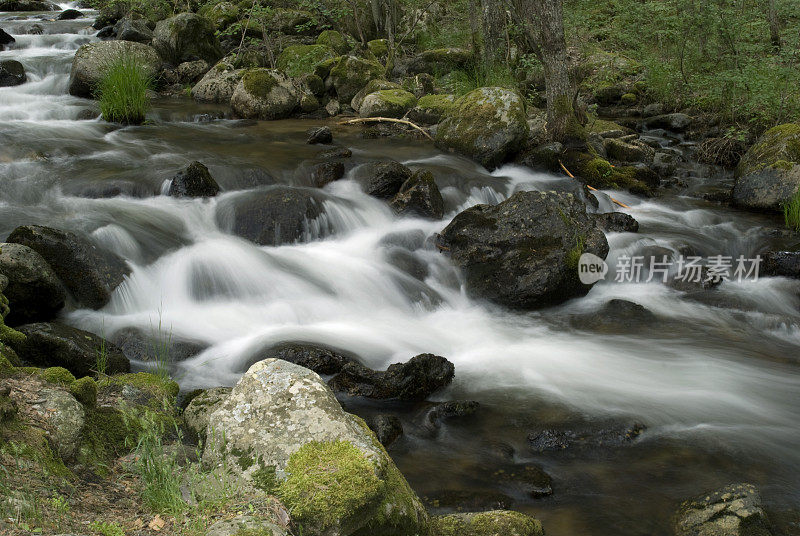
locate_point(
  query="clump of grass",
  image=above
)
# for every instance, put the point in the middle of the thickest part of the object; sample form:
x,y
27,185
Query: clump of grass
x,y
791,212
123,91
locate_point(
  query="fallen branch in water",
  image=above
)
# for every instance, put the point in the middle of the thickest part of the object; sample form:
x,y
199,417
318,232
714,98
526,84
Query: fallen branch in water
x,y
620,203
387,120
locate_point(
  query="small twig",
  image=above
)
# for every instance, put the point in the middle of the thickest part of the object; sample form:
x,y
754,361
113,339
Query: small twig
x,y
623,205
388,120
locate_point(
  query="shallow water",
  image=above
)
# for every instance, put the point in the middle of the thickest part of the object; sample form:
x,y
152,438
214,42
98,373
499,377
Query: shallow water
x,y
715,378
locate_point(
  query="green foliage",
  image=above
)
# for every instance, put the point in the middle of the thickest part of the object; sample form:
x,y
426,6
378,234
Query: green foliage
x,y
123,91
106,528
463,81
791,212
85,391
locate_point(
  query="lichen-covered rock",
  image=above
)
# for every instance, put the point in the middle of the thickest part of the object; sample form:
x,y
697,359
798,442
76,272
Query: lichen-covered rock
x,y
296,60
244,525
524,252
286,434
387,103
440,61
676,122
197,413
492,523
218,84
222,14
54,344
335,40
264,94
292,21
431,109
768,175
131,29
63,419
734,510
12,73
628,151
488,124
93,59
186,37
419,196
371,87
348,74
33,290
194,181
90,273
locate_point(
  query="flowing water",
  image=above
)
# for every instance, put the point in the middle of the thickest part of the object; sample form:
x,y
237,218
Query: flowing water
x,y
714,377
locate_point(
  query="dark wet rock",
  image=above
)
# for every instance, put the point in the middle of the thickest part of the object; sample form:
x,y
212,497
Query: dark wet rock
x,y
387,428
136,30
527,479
187,37
274,216
51,344
413,380
434,416
617,222
468,500
439,61
584,436
12,73
734,510
321,359
91,60
382,179
35,29
406,261
194,181
628,150
419,196
70,14
775,263
28,5
5,39
144,346
106,32
319,135
544,157
616,316
106,188
91,274
524,252
326,172
336,152
109,14
676,122
33,290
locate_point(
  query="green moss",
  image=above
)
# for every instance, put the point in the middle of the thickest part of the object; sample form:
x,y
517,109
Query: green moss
x,y
328,482
155,386
11,336
628,99
779,146
265,479
57,375
349,74
108,434
379,47
574,254
782,164
259,82
30,443
397,97
492,523
85,391
440,104
334,40
296,60
601,125
6,368
244,459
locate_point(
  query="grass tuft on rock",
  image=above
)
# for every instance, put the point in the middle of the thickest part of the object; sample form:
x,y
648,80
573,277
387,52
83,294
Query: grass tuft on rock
x,y
123,91
791,212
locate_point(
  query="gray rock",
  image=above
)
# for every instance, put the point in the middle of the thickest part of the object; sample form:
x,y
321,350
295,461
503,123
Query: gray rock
x,y
92,60
439,61
387,103
734,510
326,172
189,72
419,196
350,74
187,37
321,359
244,524
194,181
91,274
218,84
264,94
524,252
28,5
777,263
33,290
64,418
676,122
371,87
197,413
12,73
617,222
136,30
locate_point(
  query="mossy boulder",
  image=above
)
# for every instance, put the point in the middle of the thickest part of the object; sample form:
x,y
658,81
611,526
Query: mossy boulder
x,y
186,37
325,465
296,60
379,48
85,391
221,15
334,40
218,84
348,74
492,523
430,109
371,87
292,21
387,103
142,388
264,94
32,290
440,61
91,62
196,414
598,172
488,124
768,175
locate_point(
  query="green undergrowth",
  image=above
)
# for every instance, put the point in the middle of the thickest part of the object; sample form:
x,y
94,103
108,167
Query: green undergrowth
x,y
123,91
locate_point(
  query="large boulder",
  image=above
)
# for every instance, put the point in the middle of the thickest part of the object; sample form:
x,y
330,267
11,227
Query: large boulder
x,y
440,61
91,274
284,432
334,40
321,359
274,216
5,38
488,124
218,84
51,344
12,73
768,175
419,196
524,252
194,181
387,103
34,292
264,94
371,87
186,37
28,5
494,522
221,15
431,109
136,30
63,418
734,510
348,74
92,60
676,122
296,60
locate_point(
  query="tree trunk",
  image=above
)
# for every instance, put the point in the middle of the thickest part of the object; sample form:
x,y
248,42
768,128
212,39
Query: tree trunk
x,y
493,20
774,27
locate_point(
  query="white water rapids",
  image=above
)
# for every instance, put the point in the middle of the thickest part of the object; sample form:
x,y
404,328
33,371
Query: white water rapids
x,y
720,367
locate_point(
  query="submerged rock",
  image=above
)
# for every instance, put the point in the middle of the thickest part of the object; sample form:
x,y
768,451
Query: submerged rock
x,y
617,222
326,173
319,135
50,344
734,510
93,59
776,263
140,345
194,181
500,522
186,37
387,428
5,39
419,196
12,73
91,274
434,416
524,252
616,316
584,436
33,290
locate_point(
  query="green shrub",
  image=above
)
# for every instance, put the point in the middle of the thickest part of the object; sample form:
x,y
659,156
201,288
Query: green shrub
x,y
123,91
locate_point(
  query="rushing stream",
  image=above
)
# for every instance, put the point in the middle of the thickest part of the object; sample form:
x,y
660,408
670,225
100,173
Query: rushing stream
x,y
714,376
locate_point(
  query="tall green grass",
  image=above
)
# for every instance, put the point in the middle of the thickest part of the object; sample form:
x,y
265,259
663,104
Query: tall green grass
x,y
791,212
123,91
